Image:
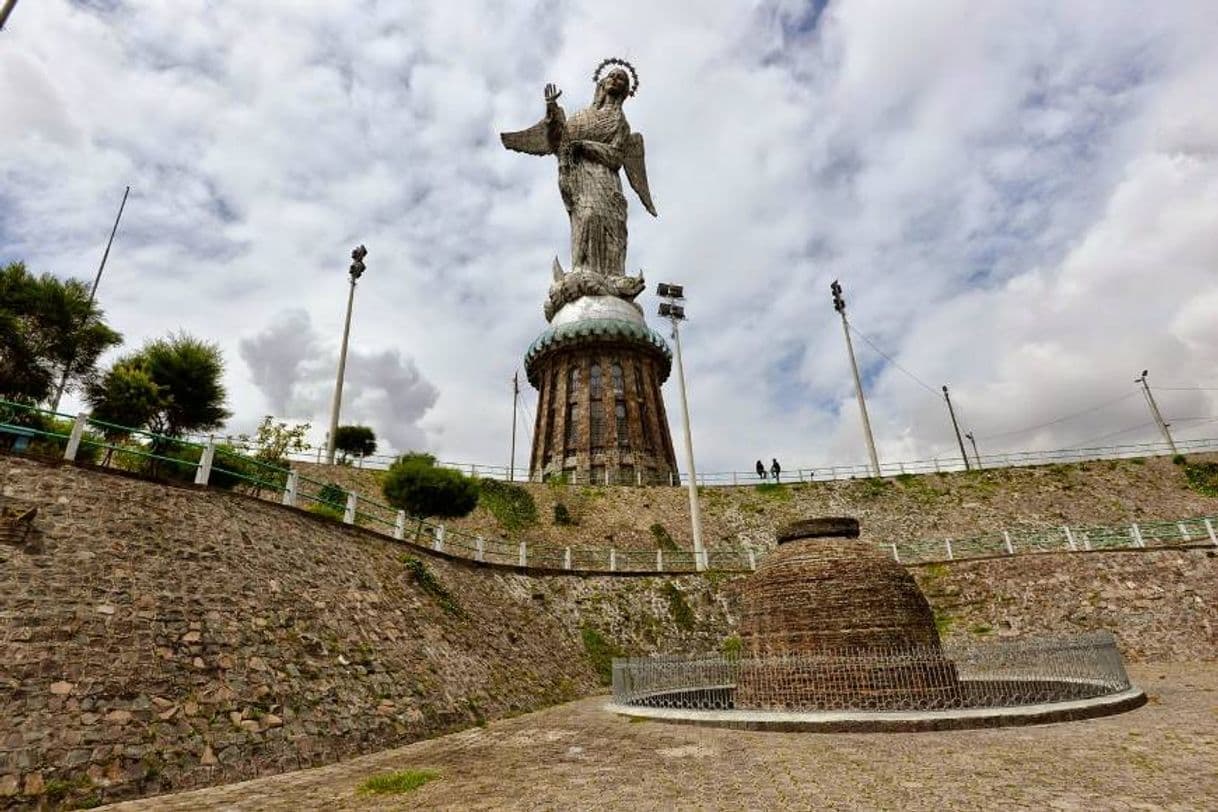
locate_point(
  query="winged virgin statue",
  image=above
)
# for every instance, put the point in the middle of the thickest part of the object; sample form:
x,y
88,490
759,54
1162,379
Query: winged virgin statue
x,y
591,146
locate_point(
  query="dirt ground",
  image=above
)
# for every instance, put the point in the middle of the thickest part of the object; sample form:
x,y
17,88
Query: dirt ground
x,y
577,756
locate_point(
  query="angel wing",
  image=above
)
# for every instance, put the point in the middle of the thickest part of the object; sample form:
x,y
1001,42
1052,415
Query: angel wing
x,y
543,137
533,140
636,170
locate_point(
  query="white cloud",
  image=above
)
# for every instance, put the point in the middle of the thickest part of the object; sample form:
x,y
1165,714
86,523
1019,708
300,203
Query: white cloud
x,y
1020,198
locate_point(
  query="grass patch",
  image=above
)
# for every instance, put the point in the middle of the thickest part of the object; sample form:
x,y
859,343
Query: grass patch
x,y
872,487
682,615
395,783
981,629
664,539
773,490
511,505
601,653
1202,477
427,581
943,622
322,509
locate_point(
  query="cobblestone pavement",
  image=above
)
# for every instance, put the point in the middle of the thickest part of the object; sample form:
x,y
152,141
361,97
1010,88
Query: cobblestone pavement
x,y
577,756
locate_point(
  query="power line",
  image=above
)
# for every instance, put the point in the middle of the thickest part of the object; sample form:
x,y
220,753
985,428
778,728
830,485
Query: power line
x,y
1095,408
1085,443
890,360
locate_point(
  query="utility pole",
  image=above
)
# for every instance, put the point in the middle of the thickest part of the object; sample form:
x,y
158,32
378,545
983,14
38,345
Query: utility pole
x,y
676,313
973,440
1154,411
356,271
515,400
67,368
956,426
839,304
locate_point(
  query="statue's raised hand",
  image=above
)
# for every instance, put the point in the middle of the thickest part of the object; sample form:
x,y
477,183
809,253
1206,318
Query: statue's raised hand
x,y
552,93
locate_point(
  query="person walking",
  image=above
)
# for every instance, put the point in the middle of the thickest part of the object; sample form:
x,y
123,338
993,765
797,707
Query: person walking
x,y
761,469
775,468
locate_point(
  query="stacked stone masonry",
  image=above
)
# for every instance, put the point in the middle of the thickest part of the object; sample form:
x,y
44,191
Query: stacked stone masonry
x,y
155,638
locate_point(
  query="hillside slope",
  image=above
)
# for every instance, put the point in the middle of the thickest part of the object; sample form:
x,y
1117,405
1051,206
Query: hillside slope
x,y
906,508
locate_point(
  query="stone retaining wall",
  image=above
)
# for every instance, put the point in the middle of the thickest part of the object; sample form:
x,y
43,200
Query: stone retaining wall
x,y
154,638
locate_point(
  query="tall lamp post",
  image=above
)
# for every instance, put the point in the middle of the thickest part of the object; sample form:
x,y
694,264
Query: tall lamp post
x,y
973,440
1154,410
356,271
839,304
675,313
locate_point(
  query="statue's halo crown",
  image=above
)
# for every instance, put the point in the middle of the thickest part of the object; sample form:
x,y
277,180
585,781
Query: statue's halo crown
x,y
613,60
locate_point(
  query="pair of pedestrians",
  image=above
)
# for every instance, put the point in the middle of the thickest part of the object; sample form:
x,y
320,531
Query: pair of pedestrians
x,y
775,469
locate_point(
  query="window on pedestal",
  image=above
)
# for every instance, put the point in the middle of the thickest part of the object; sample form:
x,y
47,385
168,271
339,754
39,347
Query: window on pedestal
x,y
619,405
572,429
644,423
597,416
548,436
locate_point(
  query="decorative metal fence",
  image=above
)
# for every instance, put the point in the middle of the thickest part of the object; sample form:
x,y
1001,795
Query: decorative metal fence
x,y
959,675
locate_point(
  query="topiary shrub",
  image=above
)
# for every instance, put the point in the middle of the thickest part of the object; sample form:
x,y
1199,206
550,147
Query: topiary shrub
x,y
512,505
415,484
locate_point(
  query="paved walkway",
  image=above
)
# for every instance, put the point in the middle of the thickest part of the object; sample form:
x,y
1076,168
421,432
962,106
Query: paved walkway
x,y
576,756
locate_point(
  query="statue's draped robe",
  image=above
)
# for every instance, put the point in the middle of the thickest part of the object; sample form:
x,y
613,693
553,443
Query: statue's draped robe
x,y
592,190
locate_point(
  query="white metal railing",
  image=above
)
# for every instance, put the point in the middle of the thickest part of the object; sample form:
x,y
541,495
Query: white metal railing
x,y
805,473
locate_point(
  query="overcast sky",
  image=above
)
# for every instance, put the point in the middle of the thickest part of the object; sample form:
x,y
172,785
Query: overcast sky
x,y
1020,198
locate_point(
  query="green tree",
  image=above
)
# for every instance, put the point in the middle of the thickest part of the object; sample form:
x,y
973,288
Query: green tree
x,y
415,484
124,398
275,440
356,441
46,323
189,374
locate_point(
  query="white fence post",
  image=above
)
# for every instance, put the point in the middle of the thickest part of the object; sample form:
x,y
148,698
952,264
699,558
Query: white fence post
x,y
480,551
203,472
524,554
78,431
566,559
1069,538
612,560
1209,528
1006,537
1136,532
895,555
349,513
1183,532
950,557
289,492
659,560
399,525
752,560
1086,541
638,477
437,541
734,482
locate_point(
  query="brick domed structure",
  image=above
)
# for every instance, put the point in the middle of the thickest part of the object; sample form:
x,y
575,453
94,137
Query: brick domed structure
x,y
827,619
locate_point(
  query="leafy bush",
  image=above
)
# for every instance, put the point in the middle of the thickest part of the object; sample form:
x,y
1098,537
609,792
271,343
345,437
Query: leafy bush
x,y
1179,459
601,653
91,444
562,515
229,467
664,539
682,615
512,505
333,496
732,647
416,485
1202,477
